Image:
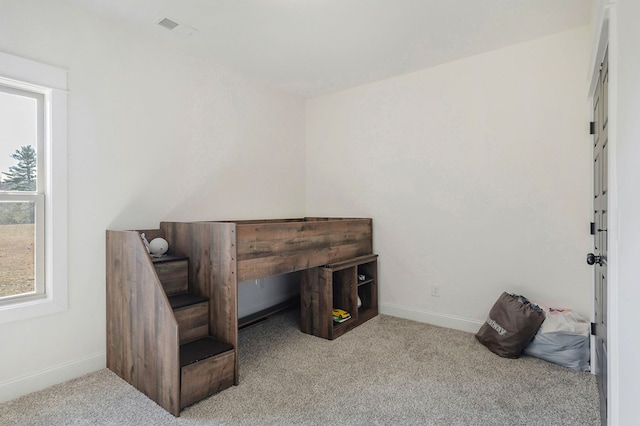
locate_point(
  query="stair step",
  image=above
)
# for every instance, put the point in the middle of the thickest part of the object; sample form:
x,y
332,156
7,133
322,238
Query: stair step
x,y
193,321
173,272
207,367
201,349
181,300
168,258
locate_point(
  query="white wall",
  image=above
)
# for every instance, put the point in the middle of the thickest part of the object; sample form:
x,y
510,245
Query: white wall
x,y
477,176
153,135
624,338
263,293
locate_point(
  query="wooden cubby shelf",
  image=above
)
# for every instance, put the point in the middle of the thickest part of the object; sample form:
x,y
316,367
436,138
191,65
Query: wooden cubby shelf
x,y
337,285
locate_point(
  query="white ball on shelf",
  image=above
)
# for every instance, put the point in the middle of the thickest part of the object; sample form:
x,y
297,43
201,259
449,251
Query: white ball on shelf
x,y
158,247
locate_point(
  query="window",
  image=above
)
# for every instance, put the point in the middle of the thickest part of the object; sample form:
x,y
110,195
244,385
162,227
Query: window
x,y
33,230
21,194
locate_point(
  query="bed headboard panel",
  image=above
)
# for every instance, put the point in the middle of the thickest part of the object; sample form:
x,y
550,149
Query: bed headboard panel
x,y
275,247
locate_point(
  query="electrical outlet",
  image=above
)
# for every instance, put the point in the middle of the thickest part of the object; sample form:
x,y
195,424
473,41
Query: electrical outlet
x,y
435,290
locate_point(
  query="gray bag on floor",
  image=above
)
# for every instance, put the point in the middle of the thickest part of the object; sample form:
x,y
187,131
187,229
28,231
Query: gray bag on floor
x,y
563,339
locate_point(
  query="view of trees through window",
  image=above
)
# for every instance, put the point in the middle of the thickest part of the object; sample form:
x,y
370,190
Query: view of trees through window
x,y
18,179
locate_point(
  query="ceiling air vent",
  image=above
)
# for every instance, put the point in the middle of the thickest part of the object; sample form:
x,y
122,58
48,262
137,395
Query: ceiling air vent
x,y
168,23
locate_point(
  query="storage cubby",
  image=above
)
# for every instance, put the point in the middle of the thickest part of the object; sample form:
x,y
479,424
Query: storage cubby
x,y
368,289
342,283
338,285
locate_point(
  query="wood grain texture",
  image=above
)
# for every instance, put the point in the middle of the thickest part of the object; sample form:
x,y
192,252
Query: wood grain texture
x,y
174,276
275,247
207,377
362,262
193,321
142,333
337,286
323,320
210,247
368,291
192,241
224,282
221,254
344,291
308,296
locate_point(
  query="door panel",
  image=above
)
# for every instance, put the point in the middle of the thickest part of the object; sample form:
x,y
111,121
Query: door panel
x,y
600,205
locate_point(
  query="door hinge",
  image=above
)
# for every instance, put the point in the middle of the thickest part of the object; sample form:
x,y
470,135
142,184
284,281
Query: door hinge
x,y
592,128
593,328
592,228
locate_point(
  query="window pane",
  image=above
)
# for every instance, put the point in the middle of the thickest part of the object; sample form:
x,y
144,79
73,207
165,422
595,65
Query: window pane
x,y
17,248
18,140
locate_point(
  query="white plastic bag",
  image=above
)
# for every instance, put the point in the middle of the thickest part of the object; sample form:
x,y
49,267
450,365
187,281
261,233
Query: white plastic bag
x,y
564,321
562,339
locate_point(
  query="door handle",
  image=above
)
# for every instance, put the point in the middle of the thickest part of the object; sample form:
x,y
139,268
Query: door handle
x,y
592,259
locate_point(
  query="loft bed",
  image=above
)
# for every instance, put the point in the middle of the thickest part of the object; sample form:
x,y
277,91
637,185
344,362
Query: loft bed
x,y
150,338
224,253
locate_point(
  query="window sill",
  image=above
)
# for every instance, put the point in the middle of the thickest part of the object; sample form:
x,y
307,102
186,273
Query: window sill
x,y
33,308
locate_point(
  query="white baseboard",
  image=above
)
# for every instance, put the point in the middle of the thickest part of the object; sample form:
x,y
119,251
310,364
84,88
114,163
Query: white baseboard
x,y
28,383
435,318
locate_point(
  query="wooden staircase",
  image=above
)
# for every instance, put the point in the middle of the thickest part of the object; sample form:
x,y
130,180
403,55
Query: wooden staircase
x,y
158,326
191,310
206,364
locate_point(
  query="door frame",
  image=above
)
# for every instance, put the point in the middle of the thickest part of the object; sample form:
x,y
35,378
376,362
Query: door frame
x,y
605,39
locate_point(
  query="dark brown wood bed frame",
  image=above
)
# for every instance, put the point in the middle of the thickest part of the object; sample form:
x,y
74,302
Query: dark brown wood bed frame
x,y
143,342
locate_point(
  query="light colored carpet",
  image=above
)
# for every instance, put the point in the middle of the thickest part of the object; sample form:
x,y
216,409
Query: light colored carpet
x,y
387,371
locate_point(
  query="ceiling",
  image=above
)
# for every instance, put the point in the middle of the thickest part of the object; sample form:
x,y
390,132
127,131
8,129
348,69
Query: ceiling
x,y
313,47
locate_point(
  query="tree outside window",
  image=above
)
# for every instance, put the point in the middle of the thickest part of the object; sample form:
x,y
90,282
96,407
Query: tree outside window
x,y
22,177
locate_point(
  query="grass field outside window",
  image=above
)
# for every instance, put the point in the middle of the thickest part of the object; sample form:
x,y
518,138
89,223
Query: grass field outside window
x,y
16,259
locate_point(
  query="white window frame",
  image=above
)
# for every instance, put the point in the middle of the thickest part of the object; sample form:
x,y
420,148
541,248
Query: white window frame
x,y
31,76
